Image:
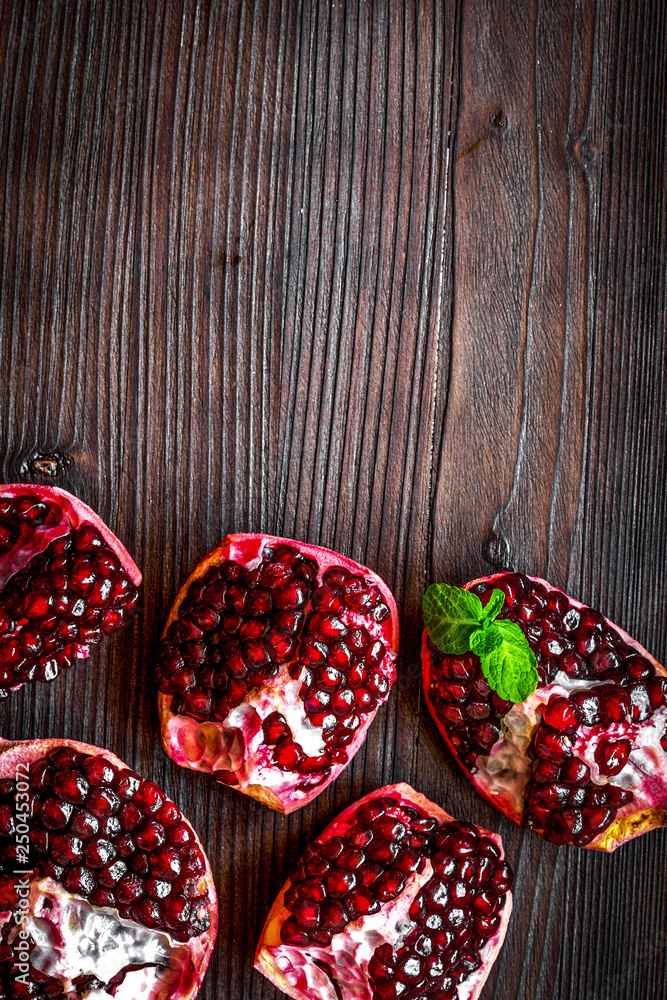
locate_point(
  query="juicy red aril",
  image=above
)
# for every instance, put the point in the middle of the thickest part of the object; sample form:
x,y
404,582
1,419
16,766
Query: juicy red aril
x,y
149,835
388,885
99,852
657,690
611,757
288,755
614,705
560,714
339,883
65,848
55,814
79,880
604,659
98,771
587,706
327,628
103,801
640,705
552,746
575,772
574,665
148,797
70,785
275,729
165,863
638,668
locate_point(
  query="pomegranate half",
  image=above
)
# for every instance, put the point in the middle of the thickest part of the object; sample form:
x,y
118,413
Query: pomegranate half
x,y
583,760
275,657
394,900
65,581
105,890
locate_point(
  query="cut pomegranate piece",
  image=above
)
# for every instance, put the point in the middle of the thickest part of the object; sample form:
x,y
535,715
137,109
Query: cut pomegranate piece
x,y
104,913
583,760
420,910
65,582
274,660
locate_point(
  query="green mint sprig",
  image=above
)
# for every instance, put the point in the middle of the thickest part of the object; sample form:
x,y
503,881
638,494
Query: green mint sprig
x,y
458,624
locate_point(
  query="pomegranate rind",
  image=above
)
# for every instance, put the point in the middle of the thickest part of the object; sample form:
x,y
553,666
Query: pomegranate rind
x,y
24,752
271,952
211,746
631,822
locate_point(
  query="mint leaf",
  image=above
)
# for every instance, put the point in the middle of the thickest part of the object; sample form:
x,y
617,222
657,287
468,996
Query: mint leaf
x,y
451,615
485,639
493,606
508,662
458,624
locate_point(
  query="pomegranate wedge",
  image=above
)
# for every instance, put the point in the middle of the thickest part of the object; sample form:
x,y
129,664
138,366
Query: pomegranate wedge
x,y
65,582
105,890
394,900
583,760
275,657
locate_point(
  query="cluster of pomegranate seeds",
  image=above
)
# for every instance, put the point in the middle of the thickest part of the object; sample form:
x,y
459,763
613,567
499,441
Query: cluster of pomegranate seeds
x,y
22,515
561,801
237,627
111,837
39,985
451,918
67,596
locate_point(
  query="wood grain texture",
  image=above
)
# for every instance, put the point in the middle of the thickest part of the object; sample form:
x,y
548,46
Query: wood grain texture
x,y
389,277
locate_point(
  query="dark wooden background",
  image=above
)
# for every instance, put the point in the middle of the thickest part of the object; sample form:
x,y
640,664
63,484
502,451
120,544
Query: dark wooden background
x,y
386,276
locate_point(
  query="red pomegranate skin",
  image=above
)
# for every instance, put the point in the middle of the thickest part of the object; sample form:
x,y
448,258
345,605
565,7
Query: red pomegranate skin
x,y
65,582
419,907
584,760
278,704
76,811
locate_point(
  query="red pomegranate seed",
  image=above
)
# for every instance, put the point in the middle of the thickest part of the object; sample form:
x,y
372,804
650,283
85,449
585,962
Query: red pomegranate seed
x,y
552,746
604,659
640,704
79,880
103,802
99,852
307,914
573,665
611,757
165,863
546,770
638,668
339,883
587,706
288,755
657,689
148,797
614,705
66,849
98,771
327,628
55,814
574,772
